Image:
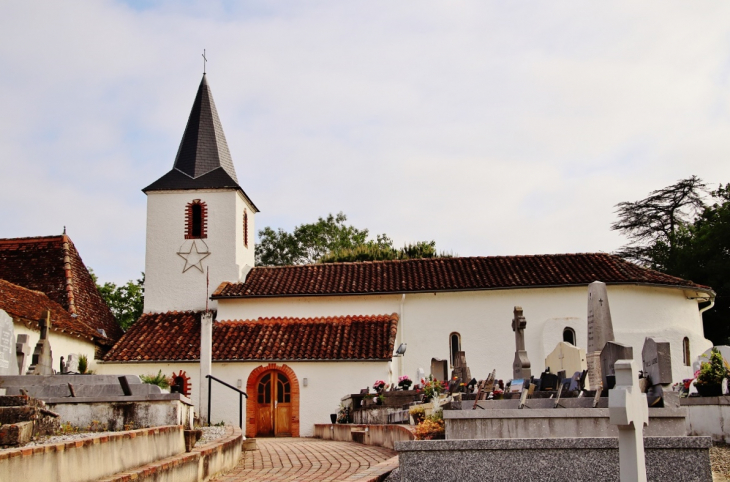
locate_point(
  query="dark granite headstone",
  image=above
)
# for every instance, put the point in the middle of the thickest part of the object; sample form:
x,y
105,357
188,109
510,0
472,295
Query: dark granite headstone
x,y
549,381
8,363
611,352
657,361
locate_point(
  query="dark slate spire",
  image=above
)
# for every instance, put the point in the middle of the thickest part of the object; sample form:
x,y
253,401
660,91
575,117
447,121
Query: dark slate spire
x,y
203,146
203,160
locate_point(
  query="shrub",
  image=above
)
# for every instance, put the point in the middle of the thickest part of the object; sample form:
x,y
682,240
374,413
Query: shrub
x,y
83,363
160,380
714,372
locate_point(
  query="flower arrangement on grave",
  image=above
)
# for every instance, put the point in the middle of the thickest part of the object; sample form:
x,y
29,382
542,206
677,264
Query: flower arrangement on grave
x,y
432,428
404,382
380,400
343,414
378,385
432,388
497,393
418,413
710,375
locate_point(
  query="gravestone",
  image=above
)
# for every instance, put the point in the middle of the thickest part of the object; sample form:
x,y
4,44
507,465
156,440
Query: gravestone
x,y
461,370
611,352
549,381
420,375
8,363
22,353
72,365
600,330
566,357
42,363
657,361
521,365
440,369
627,408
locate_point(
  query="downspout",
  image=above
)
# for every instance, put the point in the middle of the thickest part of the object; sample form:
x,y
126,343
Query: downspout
x,y
400,332
712,303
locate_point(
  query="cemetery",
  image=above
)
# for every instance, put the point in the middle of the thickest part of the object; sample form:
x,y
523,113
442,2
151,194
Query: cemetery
x,y
616,413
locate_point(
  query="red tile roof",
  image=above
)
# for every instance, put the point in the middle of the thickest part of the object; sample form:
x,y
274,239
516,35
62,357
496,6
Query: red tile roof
x,y
27,306
444,274
176,336
52,265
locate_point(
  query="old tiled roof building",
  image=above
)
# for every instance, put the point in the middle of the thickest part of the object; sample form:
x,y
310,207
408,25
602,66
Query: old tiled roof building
x,y
51,268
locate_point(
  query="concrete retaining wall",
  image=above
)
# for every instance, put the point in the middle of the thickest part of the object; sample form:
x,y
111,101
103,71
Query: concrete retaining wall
x,y
708,416
553,423
380,435
594,459
92,458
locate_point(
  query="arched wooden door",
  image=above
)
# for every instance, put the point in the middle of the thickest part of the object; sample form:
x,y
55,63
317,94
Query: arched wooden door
x,y
273,400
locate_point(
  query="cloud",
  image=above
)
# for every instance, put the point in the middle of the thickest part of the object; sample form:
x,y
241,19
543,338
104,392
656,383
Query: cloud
x,y
492,128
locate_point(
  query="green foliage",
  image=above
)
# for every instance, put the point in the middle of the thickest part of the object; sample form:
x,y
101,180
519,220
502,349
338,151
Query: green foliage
x,y
714,372
330,240
690,240
125,302
160,380
83,363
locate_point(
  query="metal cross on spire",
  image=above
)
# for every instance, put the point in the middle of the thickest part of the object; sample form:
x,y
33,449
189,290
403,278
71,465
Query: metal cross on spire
x,y
204,61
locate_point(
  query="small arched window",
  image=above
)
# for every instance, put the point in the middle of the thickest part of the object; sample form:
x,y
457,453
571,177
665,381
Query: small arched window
x,y
685,351
196,222
454,346
569,335
245,227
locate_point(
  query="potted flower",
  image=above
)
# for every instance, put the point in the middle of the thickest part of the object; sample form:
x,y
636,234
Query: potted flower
x,y
380,399
404,382
418,413
378,385
432,388
710,376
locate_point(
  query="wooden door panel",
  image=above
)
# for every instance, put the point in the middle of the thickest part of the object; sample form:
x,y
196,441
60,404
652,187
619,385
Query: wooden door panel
x,y
264,422
283,419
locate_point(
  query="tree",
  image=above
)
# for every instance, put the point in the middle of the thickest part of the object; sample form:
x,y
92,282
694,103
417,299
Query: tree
x,y
683,237
308,242
330,240
653,224
126,302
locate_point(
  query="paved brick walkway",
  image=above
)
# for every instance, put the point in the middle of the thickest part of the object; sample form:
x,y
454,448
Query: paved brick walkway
x,y
308,459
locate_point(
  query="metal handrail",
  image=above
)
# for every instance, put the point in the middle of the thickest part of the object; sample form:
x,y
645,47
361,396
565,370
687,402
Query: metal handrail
x,y
240,397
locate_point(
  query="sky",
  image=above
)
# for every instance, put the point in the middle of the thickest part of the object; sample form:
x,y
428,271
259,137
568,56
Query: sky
x,y
493,128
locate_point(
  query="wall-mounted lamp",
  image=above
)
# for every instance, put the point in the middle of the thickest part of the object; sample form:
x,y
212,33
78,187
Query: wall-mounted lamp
x,y
401,349
305,381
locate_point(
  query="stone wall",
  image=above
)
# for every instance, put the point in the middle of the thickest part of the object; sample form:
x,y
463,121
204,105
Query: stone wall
x,y
594,459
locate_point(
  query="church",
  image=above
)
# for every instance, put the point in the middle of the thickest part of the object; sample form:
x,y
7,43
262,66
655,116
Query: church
x,y
297,339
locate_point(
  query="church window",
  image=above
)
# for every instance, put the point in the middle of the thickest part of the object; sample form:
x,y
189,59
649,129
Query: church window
x,y
245,228
454,346
685,351
196,220
569,335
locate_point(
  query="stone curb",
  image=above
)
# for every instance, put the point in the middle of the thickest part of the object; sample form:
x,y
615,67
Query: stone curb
x,y
376,473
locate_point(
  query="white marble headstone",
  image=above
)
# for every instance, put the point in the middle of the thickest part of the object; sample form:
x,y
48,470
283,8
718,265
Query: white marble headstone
x,y
8,361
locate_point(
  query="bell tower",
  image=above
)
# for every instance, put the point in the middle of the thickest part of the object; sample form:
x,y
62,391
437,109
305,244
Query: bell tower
x,y
200,222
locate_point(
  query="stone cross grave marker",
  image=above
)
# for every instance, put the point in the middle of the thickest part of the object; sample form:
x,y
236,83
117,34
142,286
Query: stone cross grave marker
x,y
657,360
611,352
627,408
8,363
22,353
600,329
521,365
42,363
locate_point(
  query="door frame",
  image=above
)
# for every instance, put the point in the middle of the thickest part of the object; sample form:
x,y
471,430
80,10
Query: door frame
x,y
252,400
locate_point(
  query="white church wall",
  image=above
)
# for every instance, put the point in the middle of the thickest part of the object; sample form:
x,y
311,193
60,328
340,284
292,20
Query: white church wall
x,y
167,288
483,319
327,383
62,345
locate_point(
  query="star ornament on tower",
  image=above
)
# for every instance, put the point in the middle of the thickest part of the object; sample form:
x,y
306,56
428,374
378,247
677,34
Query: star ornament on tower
x,y
194,257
